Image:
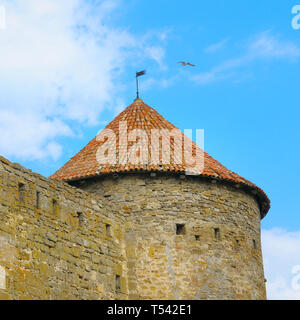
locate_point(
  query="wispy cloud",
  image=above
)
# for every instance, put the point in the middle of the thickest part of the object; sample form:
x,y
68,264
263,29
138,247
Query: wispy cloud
x,y
157,54
216,46
159,82
263,46
61,65
281,253
268,46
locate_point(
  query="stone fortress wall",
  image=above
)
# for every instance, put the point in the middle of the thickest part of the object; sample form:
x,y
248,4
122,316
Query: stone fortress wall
x,y
135,236
57,241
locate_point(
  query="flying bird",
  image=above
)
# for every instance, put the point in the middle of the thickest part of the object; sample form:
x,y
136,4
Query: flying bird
x,y
186,64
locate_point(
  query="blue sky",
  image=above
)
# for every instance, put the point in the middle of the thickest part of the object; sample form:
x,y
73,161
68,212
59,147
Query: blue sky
x,y
67,68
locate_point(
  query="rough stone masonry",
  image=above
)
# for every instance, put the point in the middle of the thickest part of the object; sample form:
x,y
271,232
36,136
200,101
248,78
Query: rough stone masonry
x,y
54,242
131,237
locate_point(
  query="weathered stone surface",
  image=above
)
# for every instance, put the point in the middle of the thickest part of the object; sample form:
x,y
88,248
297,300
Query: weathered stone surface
x,y
82,244
164,265
44,253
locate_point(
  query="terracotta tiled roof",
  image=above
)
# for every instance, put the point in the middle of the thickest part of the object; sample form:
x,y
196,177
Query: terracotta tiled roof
x,y
141,116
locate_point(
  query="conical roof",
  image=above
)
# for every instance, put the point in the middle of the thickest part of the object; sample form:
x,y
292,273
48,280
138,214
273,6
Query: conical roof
x,y
85,164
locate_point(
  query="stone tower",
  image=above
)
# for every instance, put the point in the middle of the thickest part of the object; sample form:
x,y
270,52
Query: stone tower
x,y
185,236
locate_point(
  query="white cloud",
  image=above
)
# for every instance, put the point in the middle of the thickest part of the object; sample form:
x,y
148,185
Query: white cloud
x,y
281,253
159,82
61,64
28,135
262,46
157,54
213,48
266,45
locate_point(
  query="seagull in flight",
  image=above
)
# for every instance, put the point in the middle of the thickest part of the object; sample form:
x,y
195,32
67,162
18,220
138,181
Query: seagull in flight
x,y
186,64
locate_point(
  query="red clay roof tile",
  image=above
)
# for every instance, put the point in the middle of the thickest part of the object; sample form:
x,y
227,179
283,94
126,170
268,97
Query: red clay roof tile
x,y
141,116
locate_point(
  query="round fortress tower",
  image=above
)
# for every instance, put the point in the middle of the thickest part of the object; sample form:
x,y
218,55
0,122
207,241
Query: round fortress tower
x,y
186,236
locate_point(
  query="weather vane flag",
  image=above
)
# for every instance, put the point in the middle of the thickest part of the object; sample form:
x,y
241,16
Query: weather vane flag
x,y
138,74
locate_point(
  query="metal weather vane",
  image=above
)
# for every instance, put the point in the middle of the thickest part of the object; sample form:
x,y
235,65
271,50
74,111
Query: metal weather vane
x,y
138,74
